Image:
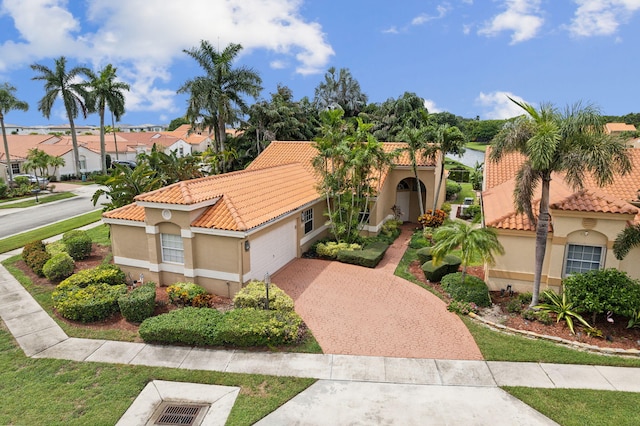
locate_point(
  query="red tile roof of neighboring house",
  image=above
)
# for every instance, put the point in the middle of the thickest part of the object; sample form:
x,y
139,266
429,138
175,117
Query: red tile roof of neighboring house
x,y
129,212
498,204
619,127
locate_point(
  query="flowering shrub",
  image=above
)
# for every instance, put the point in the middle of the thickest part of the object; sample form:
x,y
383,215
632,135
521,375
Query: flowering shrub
x,y
431,219
184,293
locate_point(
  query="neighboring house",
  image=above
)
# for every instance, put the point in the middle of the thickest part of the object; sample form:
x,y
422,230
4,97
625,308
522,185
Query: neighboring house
x,y
225,230
582,230
617,128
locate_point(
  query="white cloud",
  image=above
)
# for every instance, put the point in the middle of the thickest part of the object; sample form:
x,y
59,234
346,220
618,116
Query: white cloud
x,y
601,17
521,17
442,10
278,64
390,30
466,29
497,105
431,106
145,40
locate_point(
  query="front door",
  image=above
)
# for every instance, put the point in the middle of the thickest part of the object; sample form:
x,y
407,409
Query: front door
x,y
403,201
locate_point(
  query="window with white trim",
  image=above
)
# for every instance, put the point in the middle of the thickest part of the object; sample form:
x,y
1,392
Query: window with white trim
x,y
307,220
15,168
172,248
581,258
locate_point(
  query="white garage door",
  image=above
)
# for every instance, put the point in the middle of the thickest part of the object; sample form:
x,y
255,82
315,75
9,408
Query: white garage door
x,y
273,250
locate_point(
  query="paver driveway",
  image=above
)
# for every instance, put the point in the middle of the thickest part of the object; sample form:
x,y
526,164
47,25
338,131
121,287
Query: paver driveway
x,y
354,310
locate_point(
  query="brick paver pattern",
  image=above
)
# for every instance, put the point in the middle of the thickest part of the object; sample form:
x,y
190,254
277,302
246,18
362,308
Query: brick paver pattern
x,y
354,310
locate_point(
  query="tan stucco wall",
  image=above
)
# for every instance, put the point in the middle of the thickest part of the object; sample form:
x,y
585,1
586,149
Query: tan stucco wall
x,y
217,253
387,197
516,267
129,241
319,220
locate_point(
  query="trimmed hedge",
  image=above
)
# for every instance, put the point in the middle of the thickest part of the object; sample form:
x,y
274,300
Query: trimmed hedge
x,y
254,295
139,304
78,244
424,255
369,256
106,274
435,273
36,261
94,302
330,249
59,267
473,290
56,248
256,327
189,326
32,247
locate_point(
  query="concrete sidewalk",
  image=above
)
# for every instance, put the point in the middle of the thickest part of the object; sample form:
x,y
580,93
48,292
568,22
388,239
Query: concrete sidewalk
x,y
352,389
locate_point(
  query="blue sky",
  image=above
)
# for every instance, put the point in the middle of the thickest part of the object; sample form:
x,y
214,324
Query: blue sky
x,y
461,56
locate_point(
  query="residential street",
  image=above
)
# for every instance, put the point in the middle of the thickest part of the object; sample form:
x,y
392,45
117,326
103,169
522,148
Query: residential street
x,y
15,221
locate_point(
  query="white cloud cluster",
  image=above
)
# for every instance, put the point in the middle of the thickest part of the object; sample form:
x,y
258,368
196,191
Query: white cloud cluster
x,y
442,10
497,105
521,17
601,17
144,39
431,106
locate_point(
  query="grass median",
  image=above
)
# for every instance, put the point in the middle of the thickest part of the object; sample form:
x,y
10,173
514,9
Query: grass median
x,y
19,240
42,199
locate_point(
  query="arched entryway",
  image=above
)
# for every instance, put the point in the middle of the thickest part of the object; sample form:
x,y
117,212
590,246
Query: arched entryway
x,y
407,199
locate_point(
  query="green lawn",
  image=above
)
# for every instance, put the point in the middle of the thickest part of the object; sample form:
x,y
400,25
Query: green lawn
x,y
467,191
41,200
20,240
61,392
477,146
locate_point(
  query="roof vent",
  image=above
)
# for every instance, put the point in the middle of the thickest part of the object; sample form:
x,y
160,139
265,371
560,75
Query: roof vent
x,y
589,223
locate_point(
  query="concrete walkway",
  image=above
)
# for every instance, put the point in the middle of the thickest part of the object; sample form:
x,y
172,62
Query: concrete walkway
x,y
357,390
361,311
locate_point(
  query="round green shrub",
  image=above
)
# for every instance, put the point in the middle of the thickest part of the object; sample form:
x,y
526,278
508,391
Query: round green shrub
x,y
59,267
188,326
254,296
79,246
56,247
106,274
36,261
257,327
31,247
73,234
95,302
183,293
473,290
4,190
424,255
138,304
453,263
434,273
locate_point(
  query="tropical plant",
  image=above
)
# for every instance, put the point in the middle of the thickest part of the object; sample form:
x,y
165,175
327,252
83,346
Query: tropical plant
x,y
39,162
472,240
106,92
64,84
340,90
562,308
124,184
444,140
573,143
9,102
626,240
216,98
416,140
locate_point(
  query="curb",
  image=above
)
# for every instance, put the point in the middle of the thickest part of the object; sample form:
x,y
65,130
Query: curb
x,y
635,353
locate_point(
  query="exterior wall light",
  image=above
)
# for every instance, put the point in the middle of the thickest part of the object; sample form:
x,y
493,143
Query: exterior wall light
x,y
246,245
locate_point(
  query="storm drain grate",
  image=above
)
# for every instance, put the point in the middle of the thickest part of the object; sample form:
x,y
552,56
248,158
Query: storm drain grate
x,y
174,414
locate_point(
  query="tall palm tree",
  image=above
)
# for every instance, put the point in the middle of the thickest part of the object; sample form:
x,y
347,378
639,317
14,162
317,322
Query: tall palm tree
x,y
216,98
473,242
74,94
106,92
340,89
9,102
416,142
572,142
626,241
445,140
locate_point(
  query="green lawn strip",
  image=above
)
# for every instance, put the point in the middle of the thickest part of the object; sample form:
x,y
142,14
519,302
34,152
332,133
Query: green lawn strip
x,y
100,235
41,200
467,191
498,346
477,146
62,392
17,241
582,407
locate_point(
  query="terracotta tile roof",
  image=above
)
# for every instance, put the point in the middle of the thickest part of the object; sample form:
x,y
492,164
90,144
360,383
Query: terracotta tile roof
x,y
619,127
500,182
588,200
19,145
129,212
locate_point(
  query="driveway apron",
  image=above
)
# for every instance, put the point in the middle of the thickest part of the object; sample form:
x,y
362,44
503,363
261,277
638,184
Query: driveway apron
x,y
353,310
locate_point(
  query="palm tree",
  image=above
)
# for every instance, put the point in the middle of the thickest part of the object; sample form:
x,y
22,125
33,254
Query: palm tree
x,y
125,183
8,102
473,242
416,142
573,143
74,94
626,240
216,98
445,140
107,92
340,89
